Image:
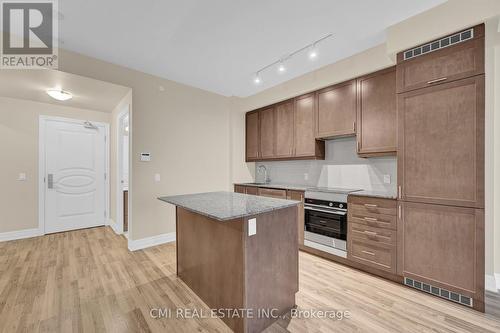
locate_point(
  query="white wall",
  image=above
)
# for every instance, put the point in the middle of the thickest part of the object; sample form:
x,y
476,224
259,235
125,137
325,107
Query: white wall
x,y
185,129
19,121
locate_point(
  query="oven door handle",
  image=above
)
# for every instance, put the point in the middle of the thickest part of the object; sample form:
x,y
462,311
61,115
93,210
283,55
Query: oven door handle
x,y
326,211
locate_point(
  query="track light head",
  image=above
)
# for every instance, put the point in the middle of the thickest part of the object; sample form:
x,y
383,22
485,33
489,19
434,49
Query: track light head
x,y
257,79
281,67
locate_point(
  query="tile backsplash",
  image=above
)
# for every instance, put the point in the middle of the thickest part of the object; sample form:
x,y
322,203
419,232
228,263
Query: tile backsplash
x,y
341,168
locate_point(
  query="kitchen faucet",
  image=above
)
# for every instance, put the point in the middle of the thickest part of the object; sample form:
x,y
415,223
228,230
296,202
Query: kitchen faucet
x,y
263,167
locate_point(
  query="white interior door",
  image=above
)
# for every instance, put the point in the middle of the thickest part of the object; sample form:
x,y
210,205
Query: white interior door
x,y
75,166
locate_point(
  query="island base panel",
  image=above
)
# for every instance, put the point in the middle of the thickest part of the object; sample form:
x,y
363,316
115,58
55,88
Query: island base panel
x,y
227,268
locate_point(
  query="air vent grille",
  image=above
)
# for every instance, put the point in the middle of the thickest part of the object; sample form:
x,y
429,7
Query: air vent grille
x,y
439,44
440,292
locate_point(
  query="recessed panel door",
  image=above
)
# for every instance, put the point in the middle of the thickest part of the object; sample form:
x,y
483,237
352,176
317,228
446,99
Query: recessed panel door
x,y
75,164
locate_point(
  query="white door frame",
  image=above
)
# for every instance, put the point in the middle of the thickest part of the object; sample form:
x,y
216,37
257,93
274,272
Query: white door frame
x,y
41,166
119,172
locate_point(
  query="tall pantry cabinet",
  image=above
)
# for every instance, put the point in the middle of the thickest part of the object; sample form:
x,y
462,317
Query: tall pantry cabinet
x,y
441,167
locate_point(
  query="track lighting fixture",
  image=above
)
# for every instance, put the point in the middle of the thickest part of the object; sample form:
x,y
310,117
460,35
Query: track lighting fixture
x,y
312,53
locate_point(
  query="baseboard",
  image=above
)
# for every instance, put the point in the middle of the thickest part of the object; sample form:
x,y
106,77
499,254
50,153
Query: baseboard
x,y
139,244
20,234
492,282
116,228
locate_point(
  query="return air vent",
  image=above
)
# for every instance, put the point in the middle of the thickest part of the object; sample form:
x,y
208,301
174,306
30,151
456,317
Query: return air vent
x,y
436,291
439,44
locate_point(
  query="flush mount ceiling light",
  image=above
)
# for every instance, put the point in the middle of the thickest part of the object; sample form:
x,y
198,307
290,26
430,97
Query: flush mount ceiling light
x,y
59,94
313,54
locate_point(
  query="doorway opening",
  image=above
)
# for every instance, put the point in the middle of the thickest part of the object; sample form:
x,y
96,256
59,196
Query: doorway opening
x,y
123,163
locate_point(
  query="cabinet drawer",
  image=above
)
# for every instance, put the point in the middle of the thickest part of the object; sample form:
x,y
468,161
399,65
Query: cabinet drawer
x,y
252,190
273,193
377,255
463,60
366,209
367,233
239,189
372,201
373,219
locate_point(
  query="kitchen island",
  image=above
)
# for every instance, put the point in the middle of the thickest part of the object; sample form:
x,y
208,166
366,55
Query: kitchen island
x,y
239,254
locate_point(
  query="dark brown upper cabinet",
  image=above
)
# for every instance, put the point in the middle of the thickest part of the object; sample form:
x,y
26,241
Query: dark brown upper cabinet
x,y
336,110
284,129
441,144
306,144
377,114
267,129
443,65
252,136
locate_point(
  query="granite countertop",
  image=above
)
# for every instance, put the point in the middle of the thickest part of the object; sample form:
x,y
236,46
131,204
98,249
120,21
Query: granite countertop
x,y
225,206
376,194
280,186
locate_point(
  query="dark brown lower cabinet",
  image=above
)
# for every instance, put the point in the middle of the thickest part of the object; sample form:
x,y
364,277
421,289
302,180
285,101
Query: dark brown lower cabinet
x,y
372,235
282,194
240,189
443,246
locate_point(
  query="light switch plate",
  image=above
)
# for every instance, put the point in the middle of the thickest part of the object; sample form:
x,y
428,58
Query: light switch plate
x,y
252,227
157,177
145,157
21,177
387,179
306,176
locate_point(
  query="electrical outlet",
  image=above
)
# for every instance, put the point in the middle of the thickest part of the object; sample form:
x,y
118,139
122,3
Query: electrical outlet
x,y
387,179
252,227
157,177
21,177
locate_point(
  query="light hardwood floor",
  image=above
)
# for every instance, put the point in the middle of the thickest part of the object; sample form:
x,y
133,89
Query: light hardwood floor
x,y
87,281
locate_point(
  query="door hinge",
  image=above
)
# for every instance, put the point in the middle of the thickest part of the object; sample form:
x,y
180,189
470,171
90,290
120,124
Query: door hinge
x,y
104,213
105,138
105,176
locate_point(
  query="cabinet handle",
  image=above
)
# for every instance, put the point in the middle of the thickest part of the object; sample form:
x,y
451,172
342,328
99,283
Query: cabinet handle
x,y
371,206
368,252
371,233
371,219
354,126
358,146
399,211
437,80
399,192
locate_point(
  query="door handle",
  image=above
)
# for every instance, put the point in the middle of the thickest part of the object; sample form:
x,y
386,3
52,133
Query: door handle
x,y
50,181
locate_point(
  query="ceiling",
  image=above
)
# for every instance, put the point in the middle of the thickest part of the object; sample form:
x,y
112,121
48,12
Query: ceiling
x,y
87,93
218,45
